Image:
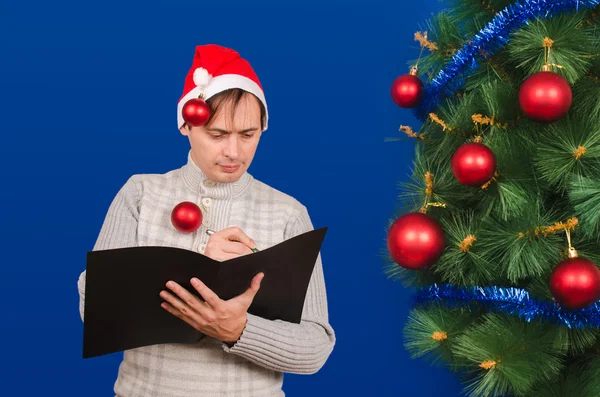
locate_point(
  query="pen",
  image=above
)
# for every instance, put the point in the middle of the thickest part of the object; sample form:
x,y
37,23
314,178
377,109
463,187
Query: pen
x,y
211,232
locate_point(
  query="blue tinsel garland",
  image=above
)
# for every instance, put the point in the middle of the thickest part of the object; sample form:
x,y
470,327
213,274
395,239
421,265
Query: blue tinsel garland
x,y
513,301
490,39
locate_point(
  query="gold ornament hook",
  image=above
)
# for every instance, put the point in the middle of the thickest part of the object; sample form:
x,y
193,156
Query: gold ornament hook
x,y
547,44
421,37
572,251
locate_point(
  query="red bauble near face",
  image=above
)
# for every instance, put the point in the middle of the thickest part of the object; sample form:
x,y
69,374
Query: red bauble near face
x,y
407,91
416,241
545,97
186,217
575,283
196,112
473,164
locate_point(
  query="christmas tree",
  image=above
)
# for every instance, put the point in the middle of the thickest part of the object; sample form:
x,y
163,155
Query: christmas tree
x,y
499,235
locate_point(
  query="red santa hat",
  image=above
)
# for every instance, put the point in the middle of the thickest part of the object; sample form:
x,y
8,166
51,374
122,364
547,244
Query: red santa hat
x,y
216,69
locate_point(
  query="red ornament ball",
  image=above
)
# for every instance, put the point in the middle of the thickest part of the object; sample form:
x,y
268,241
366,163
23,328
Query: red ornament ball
x,y
473,164
575,283
407,91
186,217
415,241
545,97
195,112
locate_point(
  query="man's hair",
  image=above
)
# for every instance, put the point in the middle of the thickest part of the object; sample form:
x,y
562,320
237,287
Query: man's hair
x,y
233,96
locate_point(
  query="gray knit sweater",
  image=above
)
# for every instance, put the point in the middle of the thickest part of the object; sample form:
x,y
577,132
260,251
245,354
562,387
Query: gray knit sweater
x,y
140,216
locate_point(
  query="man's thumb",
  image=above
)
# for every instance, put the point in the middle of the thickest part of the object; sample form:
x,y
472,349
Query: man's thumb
x,y
254,287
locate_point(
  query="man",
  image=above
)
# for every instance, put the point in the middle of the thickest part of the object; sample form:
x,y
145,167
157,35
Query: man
x,y
241,354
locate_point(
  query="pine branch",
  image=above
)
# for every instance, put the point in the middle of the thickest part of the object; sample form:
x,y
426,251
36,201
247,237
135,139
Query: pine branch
x,y
567,384
507,356
573,47
462,262
592,16
498,99
569,148
580,379
490,71
458,116
431,331
413,193
586,93
474,14
587,247
521,252
575,341
444,31
539,287
515,189
441,151
584,194
408,278
507,199
589,377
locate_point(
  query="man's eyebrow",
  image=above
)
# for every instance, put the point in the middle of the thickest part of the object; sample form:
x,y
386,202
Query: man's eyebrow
x,y
229,132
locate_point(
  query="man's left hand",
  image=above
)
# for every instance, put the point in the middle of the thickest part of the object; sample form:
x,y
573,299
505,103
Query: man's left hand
x,y
219,319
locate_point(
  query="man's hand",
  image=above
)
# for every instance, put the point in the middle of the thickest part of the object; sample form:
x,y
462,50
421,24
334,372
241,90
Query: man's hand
x,y
219,319
228,243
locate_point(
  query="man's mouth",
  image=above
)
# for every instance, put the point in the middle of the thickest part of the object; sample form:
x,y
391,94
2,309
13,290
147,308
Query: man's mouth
x,y
230,168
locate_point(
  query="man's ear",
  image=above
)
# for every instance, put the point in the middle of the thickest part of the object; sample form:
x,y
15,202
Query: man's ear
x,y
184,130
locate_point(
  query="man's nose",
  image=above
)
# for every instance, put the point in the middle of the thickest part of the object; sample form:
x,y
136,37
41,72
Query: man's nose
x,y
232,149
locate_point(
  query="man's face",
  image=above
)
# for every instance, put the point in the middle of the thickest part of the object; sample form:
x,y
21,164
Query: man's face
x,y
225,149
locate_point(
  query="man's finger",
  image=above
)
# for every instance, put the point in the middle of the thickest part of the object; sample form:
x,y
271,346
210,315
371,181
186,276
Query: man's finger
x,y
177,304
177,313
237,234
233,247
207,294
250,293
224,256
185,301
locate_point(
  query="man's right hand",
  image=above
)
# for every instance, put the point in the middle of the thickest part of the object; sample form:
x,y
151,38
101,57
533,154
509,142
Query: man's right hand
x,y
228,243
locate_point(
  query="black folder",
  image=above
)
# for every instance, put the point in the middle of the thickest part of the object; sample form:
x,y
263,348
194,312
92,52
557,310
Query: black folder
x,y
122,303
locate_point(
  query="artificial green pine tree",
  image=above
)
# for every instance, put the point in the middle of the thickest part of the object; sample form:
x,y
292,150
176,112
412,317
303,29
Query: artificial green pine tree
x,y
511,232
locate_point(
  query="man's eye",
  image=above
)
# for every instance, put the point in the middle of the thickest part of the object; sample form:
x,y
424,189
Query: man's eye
x,y
248,135
217,136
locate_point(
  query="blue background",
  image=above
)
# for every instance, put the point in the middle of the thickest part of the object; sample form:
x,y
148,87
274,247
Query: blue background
x,y
88,98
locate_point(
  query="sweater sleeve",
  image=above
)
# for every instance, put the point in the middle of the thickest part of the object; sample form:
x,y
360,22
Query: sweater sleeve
x,y
119,229
288,347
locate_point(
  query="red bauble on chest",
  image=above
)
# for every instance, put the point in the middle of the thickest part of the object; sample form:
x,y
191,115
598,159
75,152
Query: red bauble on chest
x,y
186,217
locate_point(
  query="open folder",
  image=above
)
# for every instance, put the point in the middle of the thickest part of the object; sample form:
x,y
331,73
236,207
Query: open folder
x,y
122,303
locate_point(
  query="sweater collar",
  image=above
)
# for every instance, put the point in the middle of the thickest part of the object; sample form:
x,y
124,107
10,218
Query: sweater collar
x,y
196,179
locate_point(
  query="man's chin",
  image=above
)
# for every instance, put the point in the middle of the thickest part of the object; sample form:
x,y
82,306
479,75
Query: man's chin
x,y
229,177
